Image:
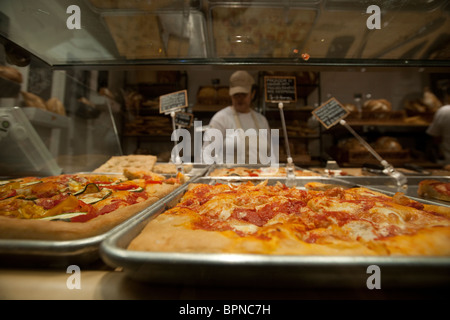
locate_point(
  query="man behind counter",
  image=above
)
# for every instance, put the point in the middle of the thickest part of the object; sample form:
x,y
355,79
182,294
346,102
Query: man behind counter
x,y
439,129
240,115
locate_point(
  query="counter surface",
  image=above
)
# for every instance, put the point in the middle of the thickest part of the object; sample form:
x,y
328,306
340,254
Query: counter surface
x,y
97,284
102,283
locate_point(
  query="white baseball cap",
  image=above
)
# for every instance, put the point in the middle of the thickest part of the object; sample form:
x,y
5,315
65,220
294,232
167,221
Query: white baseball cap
x,y
241,82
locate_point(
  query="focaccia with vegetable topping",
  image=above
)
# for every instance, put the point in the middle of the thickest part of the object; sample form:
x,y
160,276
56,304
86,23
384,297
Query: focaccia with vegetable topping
x,y
74,206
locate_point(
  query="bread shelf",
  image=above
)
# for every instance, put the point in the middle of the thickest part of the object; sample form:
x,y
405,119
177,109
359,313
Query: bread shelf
x,y
387,123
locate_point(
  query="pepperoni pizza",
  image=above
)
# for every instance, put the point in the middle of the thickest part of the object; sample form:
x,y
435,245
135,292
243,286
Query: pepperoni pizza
x,y
434,189
316,220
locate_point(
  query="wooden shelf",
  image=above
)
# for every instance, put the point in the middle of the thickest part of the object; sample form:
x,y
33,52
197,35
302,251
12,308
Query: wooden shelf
x,y
385,123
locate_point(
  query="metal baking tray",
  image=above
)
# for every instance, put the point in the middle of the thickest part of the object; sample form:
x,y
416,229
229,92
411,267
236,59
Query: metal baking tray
x,y
198,169
249,166
51,253
256,270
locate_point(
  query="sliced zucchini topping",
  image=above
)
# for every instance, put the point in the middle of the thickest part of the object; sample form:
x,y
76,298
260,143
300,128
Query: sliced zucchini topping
x,y
5,182
138,189
91,198
89,188
31,183
64,216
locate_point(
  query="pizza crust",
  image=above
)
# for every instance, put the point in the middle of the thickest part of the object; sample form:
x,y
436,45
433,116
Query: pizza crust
x,y
159,190
119,163
171,233
167,233
427,242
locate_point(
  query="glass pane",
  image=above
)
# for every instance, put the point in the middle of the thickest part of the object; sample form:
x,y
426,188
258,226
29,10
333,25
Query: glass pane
x,y
116,32
278,32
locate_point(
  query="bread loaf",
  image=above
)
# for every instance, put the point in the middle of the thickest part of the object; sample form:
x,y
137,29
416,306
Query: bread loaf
x,y
351,144
11,74
430,100
207,95
32,100
388,144
378,105
55,105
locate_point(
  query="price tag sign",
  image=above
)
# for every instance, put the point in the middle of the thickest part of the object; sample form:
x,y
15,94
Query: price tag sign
x,y
280,89
330,113
184,119
173,101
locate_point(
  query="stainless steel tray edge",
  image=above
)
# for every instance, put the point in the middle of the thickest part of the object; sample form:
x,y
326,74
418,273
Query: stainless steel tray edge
x,y
249,166
247,269
198,169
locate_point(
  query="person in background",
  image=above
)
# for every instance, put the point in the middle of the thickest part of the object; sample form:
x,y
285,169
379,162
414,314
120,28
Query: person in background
x,y
240,115
439,129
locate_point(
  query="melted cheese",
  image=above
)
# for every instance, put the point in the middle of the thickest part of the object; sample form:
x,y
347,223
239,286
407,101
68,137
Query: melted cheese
x,y
360,230
246,228
331,216
219,207
389,215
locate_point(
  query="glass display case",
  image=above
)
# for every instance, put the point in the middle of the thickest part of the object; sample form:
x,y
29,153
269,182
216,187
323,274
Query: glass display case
x,y
80,82
139,50
294,32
